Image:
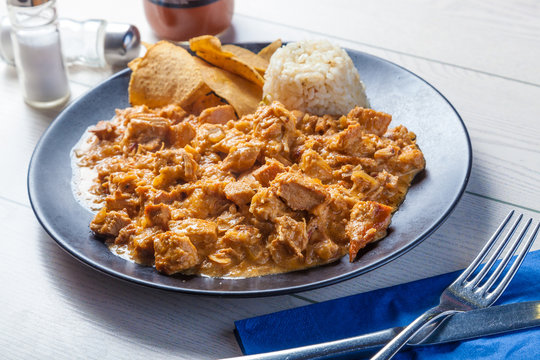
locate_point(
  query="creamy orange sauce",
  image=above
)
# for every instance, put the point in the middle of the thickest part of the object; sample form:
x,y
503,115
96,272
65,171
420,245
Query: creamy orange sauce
x,y
272,192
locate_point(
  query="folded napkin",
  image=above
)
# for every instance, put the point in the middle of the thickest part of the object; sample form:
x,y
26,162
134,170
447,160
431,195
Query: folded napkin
x,y
395,306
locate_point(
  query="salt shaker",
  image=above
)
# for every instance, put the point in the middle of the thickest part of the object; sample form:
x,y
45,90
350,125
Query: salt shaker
x,y
37,51
92,43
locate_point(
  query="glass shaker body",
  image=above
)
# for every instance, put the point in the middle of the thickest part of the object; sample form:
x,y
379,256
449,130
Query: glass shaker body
x,y
38,55
83,42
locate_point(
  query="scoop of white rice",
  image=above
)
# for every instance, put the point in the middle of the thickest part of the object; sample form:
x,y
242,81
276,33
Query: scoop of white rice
x,y
314,76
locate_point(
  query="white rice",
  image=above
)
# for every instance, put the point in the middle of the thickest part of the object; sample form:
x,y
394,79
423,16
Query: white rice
x,y
314,76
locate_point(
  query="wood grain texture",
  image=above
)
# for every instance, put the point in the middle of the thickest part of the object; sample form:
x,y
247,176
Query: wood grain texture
x,y
20,129
53,304
496,37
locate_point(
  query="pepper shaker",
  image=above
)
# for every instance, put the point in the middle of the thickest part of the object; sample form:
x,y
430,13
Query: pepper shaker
x,y
37,51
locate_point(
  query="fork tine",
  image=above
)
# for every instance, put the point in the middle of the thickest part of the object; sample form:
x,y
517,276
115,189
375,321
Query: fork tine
x,y
487,247
504,262
496,293
495,255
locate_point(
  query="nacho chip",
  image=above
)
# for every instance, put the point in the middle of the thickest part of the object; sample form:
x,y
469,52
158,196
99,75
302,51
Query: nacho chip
x,y
204,102
209,48
242,94
134,64
166,74
267,52
260,64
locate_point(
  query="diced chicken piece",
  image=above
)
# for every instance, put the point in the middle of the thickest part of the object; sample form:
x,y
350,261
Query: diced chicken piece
x,y
157,215
172,112
299,191
206,201
331,216
410,160
386,153
400,135
231,138
208,135
239,192
242,234
218,115
362,181
122,201
174,253
123,181
184,169
141,246
229,219
375,122
289,240
388,191
369,221
125,234
276,127
181,134
167,197
327,250
109,223
202,233
104,130
268,172
387,180
274,121
315,166
313,124
353,141
226,257
151,134
246,239
242,158
266,205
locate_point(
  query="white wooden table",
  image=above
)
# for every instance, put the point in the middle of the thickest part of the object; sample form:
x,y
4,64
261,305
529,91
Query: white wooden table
x,y
483,55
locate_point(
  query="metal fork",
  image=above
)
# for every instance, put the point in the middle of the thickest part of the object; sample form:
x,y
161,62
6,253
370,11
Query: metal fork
x,y
472,291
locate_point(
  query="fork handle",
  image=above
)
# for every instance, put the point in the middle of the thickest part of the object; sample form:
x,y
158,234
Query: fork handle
x,y
407,333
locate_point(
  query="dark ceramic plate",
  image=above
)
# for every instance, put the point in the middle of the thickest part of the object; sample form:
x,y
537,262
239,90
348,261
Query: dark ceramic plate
x,y
412,102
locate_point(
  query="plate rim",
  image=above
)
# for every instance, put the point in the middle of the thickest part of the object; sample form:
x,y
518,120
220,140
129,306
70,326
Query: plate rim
x,y
42,219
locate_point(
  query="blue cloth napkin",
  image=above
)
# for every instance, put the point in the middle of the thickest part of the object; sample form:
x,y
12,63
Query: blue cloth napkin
x,y
390,307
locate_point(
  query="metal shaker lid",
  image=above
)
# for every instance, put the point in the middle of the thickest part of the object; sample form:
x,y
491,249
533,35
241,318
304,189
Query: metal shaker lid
x,y
122,43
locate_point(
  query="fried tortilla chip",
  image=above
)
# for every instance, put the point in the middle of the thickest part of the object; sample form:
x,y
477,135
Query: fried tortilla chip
x,y
267,52
166,74
257,62
134,64
204,102
243,95
209,48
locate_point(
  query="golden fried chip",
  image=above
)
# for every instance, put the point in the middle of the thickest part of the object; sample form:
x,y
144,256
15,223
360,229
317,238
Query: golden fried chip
x,y
204,102
267,52
134,64
243,95
166,74
257,62
209,48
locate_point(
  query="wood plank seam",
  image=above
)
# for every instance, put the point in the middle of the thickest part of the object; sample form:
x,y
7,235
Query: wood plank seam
x,y
390,50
